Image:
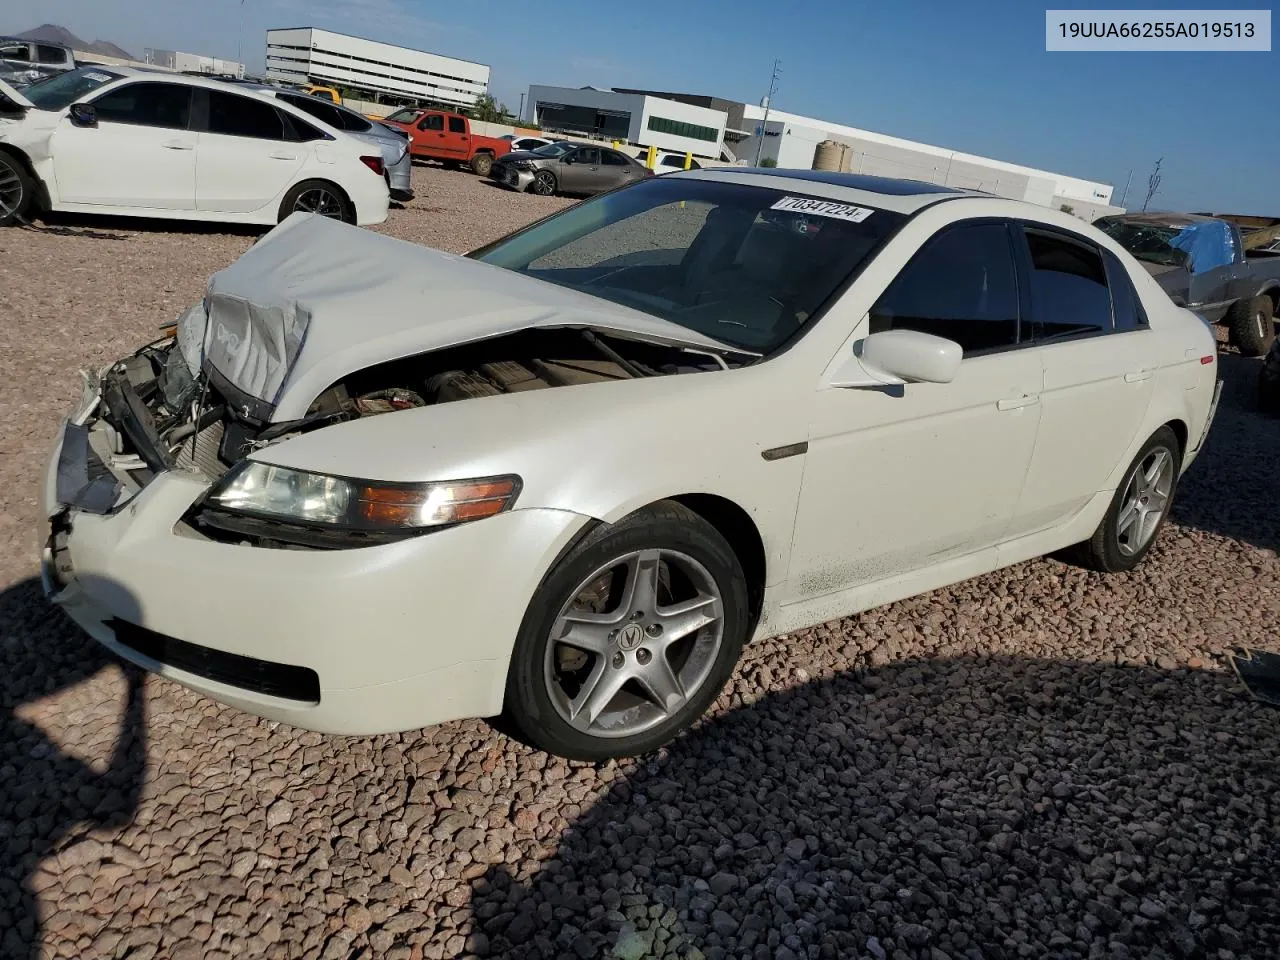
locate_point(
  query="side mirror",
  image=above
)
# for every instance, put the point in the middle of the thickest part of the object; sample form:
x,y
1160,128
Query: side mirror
x,y
83,115
900,356
567,158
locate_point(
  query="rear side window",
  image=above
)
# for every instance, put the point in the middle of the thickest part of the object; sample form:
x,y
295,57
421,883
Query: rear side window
x,y
1069,296
961,285
236,116
1126,306
457,125
165,105
323,112
300,130
50,54
613,159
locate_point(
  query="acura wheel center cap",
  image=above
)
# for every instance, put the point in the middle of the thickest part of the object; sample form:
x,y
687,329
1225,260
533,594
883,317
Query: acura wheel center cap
x,y
630,636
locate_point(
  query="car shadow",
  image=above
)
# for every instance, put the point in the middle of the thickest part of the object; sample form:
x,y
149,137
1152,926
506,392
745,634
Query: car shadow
x,y
48,797
104,227
927,809
1231,490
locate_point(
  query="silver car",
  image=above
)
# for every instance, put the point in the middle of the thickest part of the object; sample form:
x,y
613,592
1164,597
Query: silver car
x,y
393,143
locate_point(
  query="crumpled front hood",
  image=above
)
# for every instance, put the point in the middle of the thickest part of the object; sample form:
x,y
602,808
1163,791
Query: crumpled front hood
x,y
315,300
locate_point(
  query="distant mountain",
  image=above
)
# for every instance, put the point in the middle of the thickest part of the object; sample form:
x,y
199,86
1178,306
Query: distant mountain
x,y
52,33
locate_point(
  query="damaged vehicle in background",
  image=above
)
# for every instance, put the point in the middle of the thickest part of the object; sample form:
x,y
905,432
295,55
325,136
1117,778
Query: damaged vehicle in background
x,y
366,486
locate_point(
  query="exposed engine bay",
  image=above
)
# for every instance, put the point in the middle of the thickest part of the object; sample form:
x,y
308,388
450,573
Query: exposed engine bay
x,y
176,418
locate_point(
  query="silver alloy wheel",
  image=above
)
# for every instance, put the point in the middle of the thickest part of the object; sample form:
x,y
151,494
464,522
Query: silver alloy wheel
x,y
319,200
544,184
10,190
1145,500
619,671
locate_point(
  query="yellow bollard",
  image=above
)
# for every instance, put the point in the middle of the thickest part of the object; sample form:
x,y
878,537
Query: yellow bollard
x,y
617,144
688,159
652,160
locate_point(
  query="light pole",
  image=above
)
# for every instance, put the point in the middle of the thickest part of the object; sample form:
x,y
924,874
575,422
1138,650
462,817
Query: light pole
x,y
768,101
240,37
520,115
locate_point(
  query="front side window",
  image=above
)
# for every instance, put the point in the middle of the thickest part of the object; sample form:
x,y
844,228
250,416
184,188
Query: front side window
x,y
588,155
433,122
165,105
961,285
457,125
1069,295
715,258
46,54
236,116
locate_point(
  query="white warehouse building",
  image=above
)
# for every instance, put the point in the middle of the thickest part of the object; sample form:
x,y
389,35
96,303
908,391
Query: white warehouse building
x,y
731,131
634,118
310,55
192,62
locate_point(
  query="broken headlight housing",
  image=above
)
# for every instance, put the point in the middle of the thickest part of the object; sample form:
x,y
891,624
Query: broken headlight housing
x,y
253,493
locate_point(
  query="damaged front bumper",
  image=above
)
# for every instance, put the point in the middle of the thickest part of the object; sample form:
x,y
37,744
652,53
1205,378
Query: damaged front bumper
x,y
511,178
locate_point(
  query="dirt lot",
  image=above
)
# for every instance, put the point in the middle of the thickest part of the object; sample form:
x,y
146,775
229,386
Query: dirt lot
x,y
1036,763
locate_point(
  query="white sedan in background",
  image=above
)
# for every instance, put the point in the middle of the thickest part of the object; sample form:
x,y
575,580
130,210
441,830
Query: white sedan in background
x,y
131,142
613,447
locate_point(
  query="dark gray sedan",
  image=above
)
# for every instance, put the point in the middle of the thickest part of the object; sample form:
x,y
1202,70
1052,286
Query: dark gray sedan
x,y
565,167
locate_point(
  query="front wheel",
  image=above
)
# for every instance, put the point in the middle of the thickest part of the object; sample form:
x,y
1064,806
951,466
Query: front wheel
x,y
481,164
544,183
1139,508
629,638
318,196
16,190
1251,325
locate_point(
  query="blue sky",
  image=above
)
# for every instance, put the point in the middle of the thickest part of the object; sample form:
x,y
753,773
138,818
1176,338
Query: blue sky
x,y
973,77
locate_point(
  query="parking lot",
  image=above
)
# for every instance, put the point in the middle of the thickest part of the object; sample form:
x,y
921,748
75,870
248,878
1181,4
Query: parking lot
x,y
1022,765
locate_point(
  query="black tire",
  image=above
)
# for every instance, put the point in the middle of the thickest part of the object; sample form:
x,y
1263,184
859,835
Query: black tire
x,y
17,190
481,164
544,184
1252,325
529,712
347,212
1104,551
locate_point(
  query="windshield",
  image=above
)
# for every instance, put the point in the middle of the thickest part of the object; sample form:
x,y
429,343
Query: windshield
x,y
1152,242
404,116
746,265
554,149
60,91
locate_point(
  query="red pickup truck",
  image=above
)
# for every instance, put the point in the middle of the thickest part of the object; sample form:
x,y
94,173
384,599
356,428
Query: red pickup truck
x,y
439,135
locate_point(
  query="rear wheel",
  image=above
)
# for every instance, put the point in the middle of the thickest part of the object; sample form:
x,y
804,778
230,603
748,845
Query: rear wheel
x,y
482,163
16,189
1252,325
630,637
318,196
544,183
1138,509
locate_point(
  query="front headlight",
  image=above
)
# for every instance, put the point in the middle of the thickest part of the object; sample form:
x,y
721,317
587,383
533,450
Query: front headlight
x,y
265,491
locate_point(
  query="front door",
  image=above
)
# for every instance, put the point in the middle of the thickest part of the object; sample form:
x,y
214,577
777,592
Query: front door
x,y
581,171
140,154
245,159
898,479
1099,363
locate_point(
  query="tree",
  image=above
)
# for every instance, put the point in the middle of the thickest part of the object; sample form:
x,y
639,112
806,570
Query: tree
x,y
768,162
1153,184
489,110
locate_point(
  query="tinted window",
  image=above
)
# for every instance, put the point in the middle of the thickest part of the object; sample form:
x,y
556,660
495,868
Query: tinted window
x,y
237,116
1125,305
50,54
528,143
433,122
1069,294
670,161
14,51
353,122
146,104
457,125
300,130
323,112
590,155
961,285
613,159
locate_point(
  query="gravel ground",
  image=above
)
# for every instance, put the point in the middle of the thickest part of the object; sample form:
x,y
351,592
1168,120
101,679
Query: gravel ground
x,y
1036,763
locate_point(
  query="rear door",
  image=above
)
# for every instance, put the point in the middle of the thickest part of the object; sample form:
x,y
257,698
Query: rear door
x,y
1099,357
140,154
457,138
616,169
246,156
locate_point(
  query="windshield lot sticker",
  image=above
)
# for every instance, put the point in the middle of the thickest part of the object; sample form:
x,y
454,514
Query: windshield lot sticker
x,y
98,77
823,208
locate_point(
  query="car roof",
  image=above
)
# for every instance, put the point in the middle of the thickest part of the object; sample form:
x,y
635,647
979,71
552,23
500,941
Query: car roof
x,y
901,195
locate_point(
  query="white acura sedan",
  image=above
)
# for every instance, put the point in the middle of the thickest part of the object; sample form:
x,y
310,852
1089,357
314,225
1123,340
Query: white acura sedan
x,y
145,143
366,486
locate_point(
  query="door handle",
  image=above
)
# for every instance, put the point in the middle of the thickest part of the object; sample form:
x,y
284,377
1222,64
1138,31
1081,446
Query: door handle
x,y
178,145
1017,403
1137,376
284,156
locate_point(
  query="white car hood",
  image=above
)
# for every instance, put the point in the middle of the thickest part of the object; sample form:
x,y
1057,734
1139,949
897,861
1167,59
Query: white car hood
x,y
7,90
315,300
